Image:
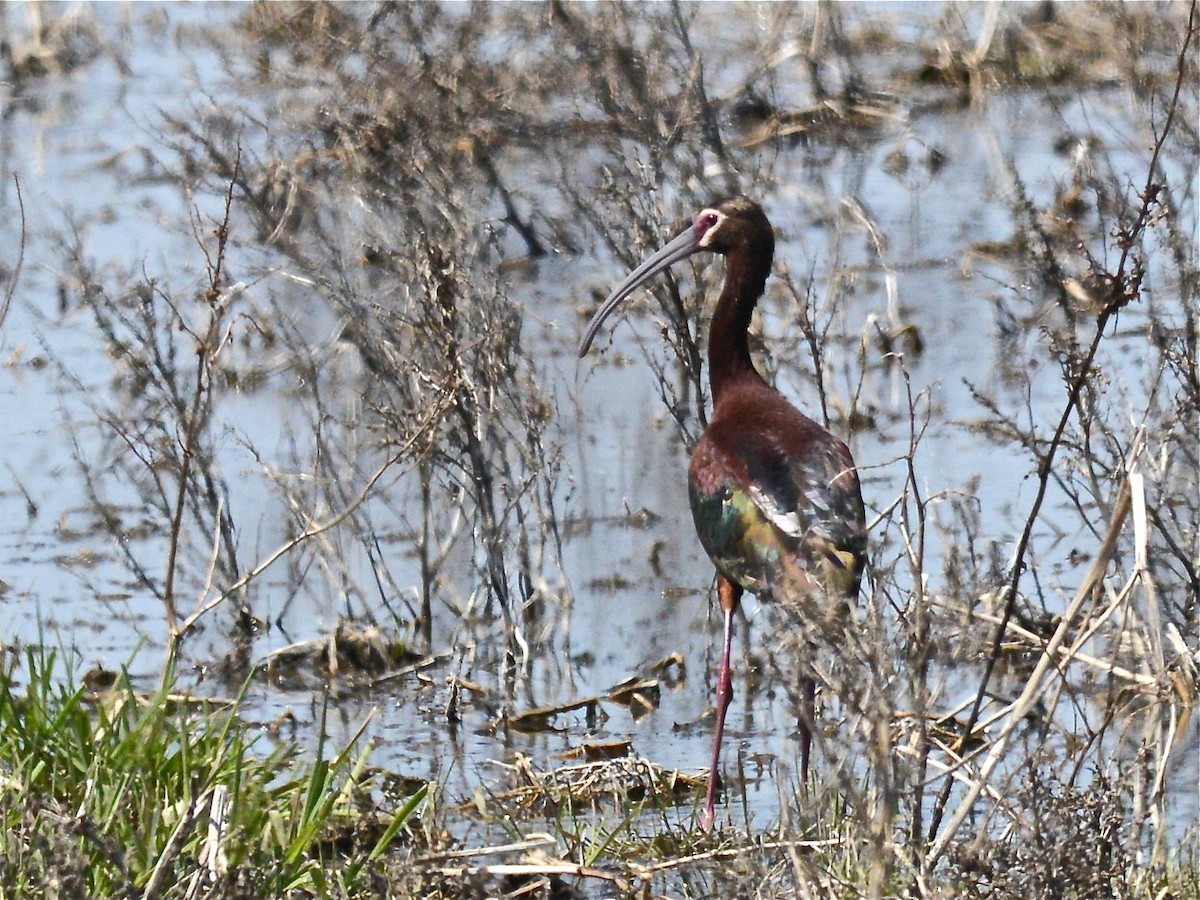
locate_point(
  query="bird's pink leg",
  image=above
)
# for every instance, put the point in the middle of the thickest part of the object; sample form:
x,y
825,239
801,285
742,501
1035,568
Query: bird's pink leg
x,y
730,596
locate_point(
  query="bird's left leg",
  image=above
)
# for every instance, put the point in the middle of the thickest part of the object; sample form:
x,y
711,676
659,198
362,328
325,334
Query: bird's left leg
x,y
730,595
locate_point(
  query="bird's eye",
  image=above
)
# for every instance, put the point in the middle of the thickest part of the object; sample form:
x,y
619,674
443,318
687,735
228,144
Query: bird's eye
x,y
705,223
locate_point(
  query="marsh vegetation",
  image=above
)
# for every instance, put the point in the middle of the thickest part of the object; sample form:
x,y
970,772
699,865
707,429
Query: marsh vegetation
x,y
300,457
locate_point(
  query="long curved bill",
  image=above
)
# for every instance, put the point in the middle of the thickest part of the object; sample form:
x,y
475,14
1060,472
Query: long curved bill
x,y
679,248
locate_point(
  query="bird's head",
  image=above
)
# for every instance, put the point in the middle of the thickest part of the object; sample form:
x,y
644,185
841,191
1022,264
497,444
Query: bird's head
x,y
737,222
729,226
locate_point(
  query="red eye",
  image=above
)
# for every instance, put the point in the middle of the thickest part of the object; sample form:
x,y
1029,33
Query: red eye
x,y
705,221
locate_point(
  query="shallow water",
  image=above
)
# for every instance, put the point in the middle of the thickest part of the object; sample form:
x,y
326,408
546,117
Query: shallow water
x,y
639,583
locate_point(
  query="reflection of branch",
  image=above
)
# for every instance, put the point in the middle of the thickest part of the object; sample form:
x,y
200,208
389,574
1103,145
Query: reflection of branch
x,y
511,215
1123,287
11,290
205,607
1149,195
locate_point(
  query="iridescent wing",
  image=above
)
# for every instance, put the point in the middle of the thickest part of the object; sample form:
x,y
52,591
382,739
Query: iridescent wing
x,y
781,514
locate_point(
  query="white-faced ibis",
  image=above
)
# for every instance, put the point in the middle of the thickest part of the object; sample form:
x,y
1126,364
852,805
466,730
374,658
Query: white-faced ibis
x,y
774,496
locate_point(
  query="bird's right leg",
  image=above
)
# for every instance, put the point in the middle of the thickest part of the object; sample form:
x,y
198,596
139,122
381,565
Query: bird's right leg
x,y
730,596
808,712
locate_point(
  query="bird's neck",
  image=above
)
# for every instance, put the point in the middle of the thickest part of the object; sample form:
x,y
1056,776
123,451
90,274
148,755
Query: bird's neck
x,y
728,336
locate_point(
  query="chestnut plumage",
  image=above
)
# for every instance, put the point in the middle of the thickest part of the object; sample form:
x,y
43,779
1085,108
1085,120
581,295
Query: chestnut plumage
x,y
775,497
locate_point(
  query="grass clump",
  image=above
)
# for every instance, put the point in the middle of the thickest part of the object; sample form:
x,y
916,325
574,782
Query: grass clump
x,y
122,794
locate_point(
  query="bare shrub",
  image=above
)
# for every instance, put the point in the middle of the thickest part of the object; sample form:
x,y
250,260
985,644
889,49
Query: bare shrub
x,y
395,172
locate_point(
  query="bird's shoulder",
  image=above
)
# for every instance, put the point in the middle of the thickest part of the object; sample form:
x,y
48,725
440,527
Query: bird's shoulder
x,y
766,446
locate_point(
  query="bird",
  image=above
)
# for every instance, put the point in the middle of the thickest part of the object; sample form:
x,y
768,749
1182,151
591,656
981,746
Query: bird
x,y
775,497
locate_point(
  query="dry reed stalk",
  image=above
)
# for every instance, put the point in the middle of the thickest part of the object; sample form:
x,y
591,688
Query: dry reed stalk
x,y
1176,723
549,867
1036,684
1066,653
956,769
1141,564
